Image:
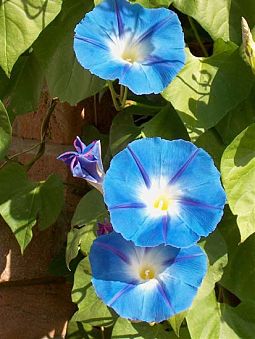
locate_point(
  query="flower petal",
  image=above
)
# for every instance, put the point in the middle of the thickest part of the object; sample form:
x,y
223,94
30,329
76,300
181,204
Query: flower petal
x,y
67,157
115,253
153,300
188,177
154,35
79,145
189,266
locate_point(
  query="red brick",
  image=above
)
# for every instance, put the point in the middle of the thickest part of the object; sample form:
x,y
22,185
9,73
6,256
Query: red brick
x,y
35,261
65,124
35,311
66,121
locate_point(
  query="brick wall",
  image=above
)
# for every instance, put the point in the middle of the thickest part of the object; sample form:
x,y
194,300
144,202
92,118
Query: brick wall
x,y
34,304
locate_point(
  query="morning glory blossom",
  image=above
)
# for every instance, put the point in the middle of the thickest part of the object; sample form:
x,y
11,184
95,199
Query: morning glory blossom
x,y
86,162
143,48
145,283
163,192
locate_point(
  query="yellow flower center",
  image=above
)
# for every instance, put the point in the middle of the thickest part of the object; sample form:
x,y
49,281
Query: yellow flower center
x,y
147,273
131,54
162,202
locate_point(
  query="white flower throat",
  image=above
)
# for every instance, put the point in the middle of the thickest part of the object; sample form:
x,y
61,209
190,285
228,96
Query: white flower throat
x,y
160,198
146,264
128,49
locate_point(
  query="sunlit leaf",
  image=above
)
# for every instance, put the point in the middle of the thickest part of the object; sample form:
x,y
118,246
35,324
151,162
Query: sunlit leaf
x,y
66,79
89,211
90,308
238,174
209,319
20,24
220,18
239,277
5,131
23,202
207,89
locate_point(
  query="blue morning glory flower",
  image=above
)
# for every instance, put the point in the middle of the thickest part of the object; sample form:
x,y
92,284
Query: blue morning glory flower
x,y
143,48
145,283
86,162
163,192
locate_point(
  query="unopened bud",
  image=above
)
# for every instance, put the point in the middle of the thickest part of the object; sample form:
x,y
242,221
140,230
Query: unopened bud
x,y
248,47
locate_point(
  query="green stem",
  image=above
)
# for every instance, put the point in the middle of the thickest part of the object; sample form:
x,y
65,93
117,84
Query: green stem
x,y
140,104
194,29
124,97
121,92
114,96
9,158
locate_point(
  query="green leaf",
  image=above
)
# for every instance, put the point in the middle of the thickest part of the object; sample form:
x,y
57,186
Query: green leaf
x,y
201,93
90,308
238,119
212,142
23,202
123,130
90,208
166,124
209,319
152,3
89,211
20,24
125,329
239,276
4,84
74,237
50,200
230,232
238,174
220,18
5,131
93,310
78,330
66,79
216,250
82,281
80,239
25,85
176,322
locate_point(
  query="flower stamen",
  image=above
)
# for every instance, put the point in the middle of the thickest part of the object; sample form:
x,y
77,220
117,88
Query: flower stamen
x,y
147,273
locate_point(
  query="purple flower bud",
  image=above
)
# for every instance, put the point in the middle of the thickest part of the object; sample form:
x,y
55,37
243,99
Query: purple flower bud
x,y
104,228
86,162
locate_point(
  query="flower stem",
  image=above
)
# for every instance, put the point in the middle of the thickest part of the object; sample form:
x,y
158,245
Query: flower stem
x,y
124,97
194,29
121,92
9,158
44,132
114,96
